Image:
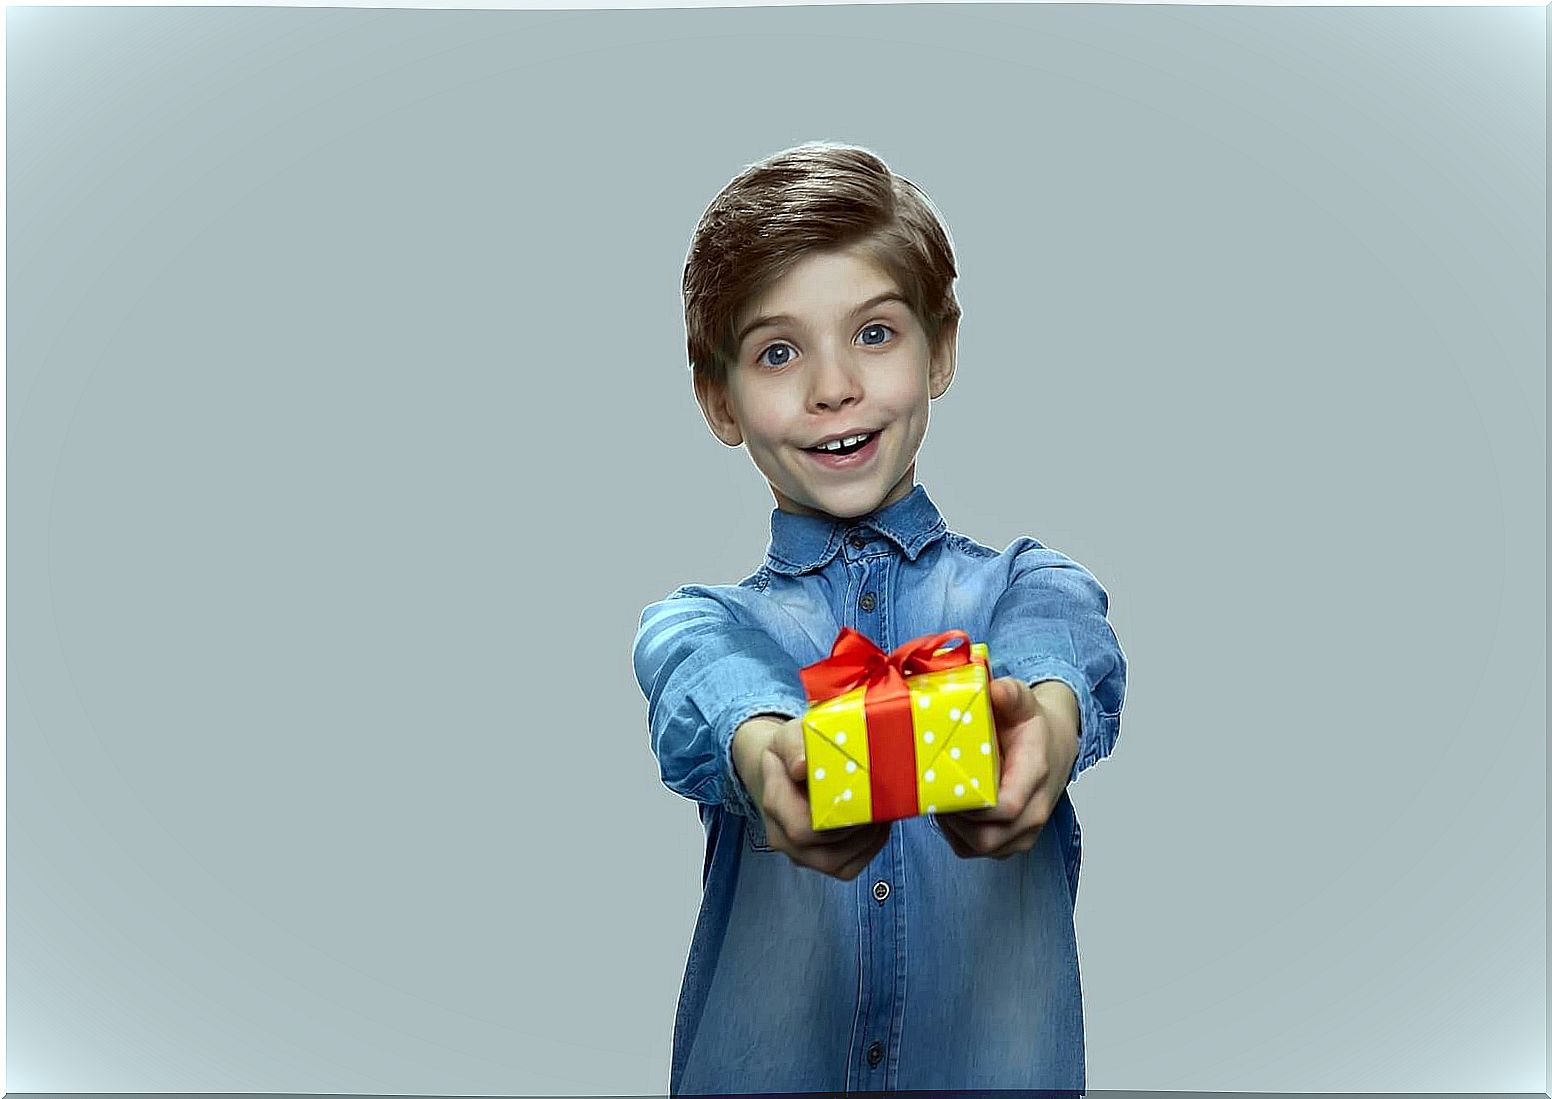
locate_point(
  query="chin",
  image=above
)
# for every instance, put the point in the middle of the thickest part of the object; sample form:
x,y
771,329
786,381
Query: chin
x,y
851,508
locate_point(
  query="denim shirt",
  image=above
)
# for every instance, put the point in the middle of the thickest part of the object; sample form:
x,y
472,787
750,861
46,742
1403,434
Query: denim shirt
x,y
927,971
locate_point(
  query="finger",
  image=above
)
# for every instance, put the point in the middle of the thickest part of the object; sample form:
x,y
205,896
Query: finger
x,y
787,800
849,870
778,795
841,862
832,859
804,835
837,836
999,841
982,838
788,741
1018,844
1025,772
956,840
790,749
990,813
871,851
1001,813
1013,701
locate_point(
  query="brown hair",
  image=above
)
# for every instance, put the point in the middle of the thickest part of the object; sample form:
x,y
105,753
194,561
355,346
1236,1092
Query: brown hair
x,y
816,197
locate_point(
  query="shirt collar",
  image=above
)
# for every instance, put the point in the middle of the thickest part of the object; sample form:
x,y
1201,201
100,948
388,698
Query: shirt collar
x,y
803,543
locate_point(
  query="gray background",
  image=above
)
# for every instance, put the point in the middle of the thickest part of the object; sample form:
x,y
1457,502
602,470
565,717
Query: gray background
x,y
349,432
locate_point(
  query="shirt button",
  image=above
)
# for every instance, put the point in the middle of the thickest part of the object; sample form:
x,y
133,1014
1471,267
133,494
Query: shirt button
x,y
880,891
875,1054
866,602
858,542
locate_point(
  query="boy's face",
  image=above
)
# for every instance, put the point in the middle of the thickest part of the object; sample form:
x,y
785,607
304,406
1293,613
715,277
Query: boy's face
x,y
831,367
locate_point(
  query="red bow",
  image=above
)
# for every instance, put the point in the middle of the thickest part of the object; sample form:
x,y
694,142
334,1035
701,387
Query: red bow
x,y
854,662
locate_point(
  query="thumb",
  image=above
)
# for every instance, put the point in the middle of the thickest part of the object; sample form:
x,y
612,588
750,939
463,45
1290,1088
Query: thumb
x,y
770,766
797,765
1013,700
786,762
791,750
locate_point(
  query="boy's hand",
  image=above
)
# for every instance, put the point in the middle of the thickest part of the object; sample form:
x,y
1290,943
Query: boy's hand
x,y
768,753
1037,728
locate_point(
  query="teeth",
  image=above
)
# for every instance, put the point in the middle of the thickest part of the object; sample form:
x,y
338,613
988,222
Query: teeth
x,y
839,443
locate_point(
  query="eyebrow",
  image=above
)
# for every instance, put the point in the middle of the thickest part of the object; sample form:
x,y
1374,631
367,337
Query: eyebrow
x,y
763,321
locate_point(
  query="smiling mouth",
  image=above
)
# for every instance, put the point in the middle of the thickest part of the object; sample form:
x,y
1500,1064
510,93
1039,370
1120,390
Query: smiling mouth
x,y
853,452
842,447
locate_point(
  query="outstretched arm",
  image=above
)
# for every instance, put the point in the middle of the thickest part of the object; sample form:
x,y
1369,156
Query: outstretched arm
x,y
1061,678
705,671
724,705
1050,624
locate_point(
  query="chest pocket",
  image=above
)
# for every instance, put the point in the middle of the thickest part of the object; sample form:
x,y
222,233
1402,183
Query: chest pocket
x,y
749,837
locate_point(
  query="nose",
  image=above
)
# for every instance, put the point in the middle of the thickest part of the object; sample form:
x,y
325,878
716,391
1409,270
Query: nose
x,y
833,383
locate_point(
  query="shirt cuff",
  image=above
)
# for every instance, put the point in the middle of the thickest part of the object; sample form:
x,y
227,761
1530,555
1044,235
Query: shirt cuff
x,y
736,795
1037,669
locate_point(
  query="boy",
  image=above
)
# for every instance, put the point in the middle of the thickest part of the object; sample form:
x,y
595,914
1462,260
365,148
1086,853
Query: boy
x,y
934,952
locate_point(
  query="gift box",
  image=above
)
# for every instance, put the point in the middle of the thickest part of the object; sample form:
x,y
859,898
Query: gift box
x,y
899,734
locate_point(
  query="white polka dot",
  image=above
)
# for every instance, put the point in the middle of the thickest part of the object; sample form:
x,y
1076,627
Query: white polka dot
x,y
959,789
924,701
930,775
846,793
819,775
976,783
840,738
953,753
927,736
953,715
964,718
986,748
851,765
932,808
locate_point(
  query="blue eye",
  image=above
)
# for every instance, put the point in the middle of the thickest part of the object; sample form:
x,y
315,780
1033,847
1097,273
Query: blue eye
x,y
763,361
768,350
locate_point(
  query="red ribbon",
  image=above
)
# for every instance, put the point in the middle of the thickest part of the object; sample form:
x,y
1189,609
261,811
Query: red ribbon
x,y
855,662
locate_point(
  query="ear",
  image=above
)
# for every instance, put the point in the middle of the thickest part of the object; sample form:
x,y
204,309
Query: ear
x,y
712,393
941,370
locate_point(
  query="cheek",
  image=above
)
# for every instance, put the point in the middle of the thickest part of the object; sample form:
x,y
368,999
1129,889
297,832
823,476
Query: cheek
x,y
754,415
909,402
765,431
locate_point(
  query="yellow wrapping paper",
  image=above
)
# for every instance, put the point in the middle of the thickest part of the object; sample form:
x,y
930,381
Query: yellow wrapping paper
x,y
958,759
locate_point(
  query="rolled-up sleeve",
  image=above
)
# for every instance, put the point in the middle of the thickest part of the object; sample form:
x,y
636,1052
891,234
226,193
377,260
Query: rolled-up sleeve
x,y
1049,623
704,672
